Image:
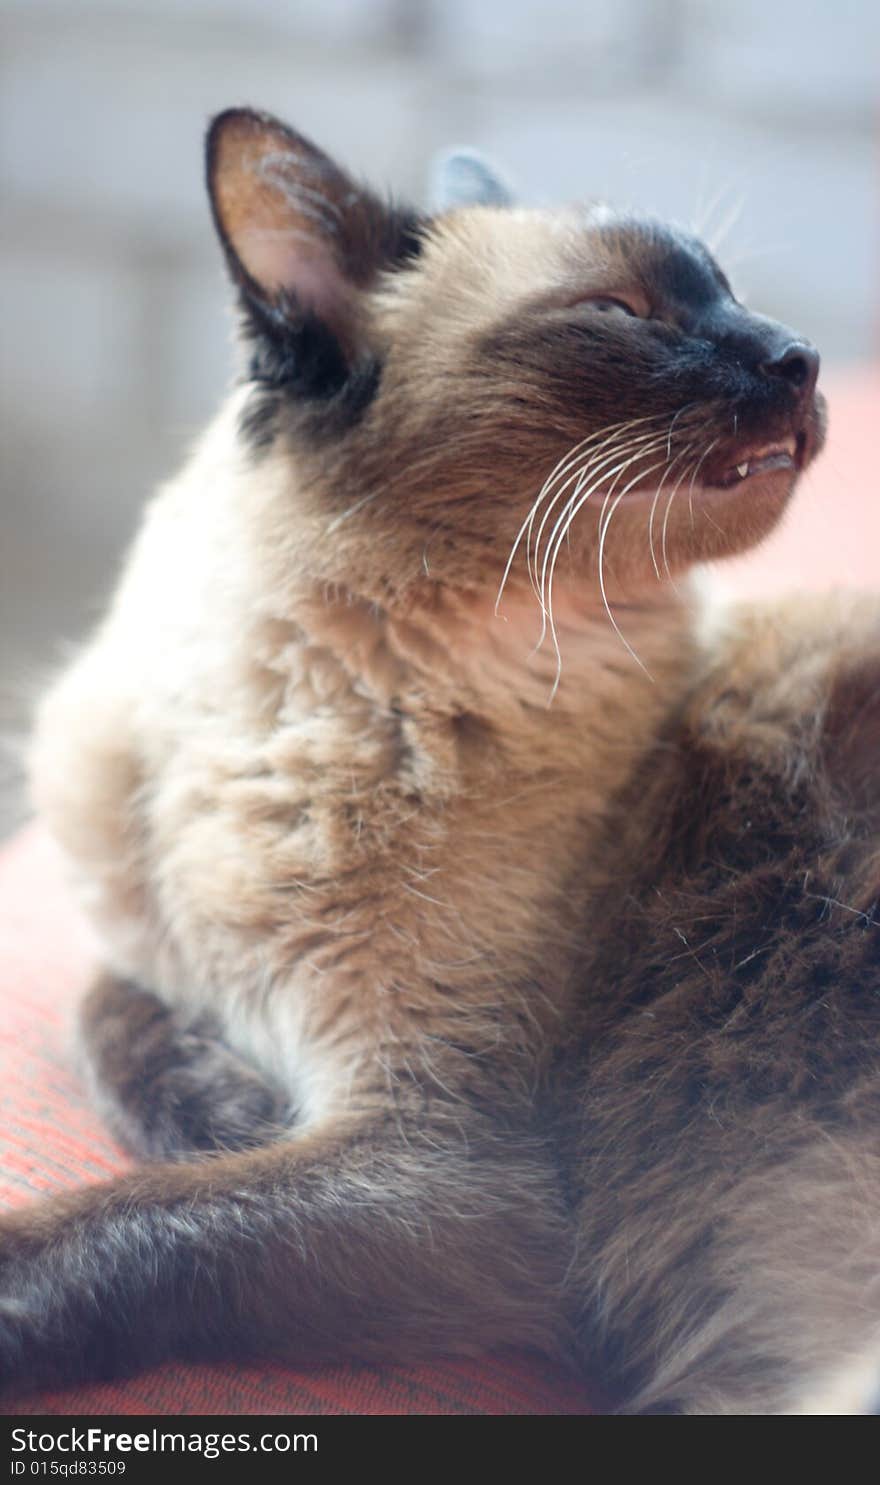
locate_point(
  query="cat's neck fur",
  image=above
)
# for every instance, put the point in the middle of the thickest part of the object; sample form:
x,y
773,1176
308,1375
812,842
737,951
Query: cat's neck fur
x,y
586,710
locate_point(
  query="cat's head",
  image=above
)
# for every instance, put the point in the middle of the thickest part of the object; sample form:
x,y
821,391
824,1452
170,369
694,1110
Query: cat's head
x,y
439,384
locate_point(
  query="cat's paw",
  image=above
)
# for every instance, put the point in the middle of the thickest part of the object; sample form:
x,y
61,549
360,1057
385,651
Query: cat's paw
x,y
210,1100
168,1089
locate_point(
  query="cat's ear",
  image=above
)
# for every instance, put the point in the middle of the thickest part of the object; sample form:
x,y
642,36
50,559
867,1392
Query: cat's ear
x,y
301,238
465,178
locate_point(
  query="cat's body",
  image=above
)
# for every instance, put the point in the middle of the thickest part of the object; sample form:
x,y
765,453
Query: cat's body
x,y
719,1107
360,885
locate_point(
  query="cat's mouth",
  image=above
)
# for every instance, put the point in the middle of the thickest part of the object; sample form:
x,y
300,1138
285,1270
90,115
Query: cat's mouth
x,y
783,457
787,455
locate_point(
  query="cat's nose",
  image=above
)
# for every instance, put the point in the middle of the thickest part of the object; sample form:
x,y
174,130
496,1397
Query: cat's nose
x,y
797,364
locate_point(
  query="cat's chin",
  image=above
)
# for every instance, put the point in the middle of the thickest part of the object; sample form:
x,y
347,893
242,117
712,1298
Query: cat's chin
x,y
769,482
732,499
652,534
726,520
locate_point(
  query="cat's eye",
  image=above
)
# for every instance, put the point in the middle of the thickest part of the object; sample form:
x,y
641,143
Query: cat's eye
x,y
633,303
607,303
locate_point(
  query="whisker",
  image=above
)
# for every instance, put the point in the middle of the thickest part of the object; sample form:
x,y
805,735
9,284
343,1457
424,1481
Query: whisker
x,y
672,494
352,510
618,430
694,476
688,447
600,459
697,469
637,447
715,239
554,545
688,407
603,532
701,221
562,466
552,553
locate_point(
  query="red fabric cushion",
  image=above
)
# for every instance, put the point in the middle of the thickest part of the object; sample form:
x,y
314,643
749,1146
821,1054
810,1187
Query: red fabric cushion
x,y
50,1138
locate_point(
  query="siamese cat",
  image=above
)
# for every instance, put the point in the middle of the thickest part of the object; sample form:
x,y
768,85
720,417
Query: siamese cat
x,y
489,952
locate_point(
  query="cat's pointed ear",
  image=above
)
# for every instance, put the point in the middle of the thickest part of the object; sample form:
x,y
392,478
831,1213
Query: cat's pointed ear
x,y
301,238
465,178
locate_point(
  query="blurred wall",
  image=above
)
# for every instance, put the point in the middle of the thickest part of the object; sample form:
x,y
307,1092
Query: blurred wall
x,y
113,306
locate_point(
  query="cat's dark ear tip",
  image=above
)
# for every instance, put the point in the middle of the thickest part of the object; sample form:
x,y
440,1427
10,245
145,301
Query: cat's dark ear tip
x,y
242,124
235,140
229,117
220,130
233,125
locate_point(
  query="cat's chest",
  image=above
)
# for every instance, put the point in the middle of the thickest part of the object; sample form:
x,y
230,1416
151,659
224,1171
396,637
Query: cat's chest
x,y
332,904
366,838
422,828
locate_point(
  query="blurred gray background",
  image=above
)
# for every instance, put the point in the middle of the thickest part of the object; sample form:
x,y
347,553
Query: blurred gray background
x,y
754,117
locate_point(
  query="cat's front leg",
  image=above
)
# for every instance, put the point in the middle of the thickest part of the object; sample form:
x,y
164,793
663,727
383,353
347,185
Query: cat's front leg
x,y
169,1087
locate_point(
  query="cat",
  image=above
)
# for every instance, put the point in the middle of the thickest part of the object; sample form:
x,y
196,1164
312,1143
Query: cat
x,y
386,782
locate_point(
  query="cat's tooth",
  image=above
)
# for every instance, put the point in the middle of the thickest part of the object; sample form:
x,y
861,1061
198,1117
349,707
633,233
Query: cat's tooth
x,y
742,469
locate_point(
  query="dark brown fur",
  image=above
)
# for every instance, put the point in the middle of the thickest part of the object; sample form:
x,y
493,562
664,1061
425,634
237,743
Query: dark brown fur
x,y
167,1086
721,1105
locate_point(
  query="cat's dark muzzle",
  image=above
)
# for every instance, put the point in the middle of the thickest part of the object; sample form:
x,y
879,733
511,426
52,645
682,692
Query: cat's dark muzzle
x,y
777,416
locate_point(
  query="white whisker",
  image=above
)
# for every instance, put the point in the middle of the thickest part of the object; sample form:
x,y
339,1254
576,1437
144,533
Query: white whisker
x,y
697,467
554,547
694,476
613,439
352,509
603,532
729,220
621,450
563,465
682,454
672,494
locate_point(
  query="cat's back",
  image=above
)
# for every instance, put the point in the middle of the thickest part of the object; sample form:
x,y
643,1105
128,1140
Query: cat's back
x,y
769,669
763,784
718,1089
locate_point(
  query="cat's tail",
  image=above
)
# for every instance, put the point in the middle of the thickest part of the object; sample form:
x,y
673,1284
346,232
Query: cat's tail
x,y
373,1239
